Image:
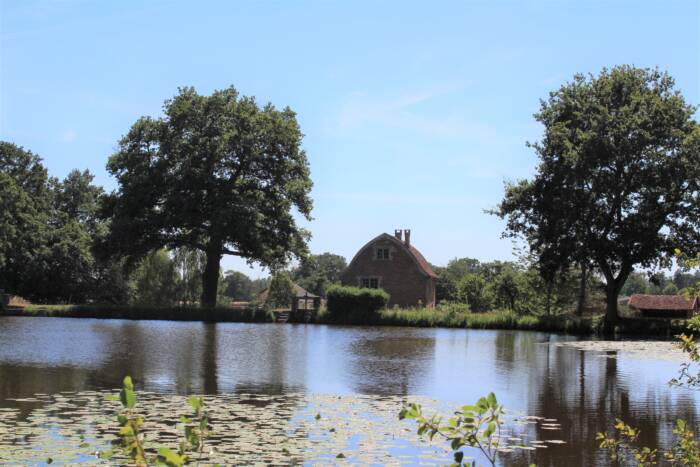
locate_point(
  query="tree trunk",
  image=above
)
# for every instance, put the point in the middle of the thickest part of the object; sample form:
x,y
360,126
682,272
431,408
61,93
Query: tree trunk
x,y
611,316
612,291
582,291
210,277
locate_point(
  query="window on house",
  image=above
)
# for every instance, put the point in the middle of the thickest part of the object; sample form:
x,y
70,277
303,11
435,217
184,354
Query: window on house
x,y
382,253
369,283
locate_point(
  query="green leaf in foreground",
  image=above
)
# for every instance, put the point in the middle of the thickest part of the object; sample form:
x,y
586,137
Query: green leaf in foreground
x,y
170,458
105,454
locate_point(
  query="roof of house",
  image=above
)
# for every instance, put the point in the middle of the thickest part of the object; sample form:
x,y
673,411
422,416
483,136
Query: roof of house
x,y
420,260
299,291
662,302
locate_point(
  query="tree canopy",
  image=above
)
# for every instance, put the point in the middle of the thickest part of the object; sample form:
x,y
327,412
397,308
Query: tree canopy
x,y
316,272
48,228
217,173
618,180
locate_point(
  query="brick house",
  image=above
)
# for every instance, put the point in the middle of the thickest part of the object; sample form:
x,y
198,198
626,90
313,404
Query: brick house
x,y
391,263
663,306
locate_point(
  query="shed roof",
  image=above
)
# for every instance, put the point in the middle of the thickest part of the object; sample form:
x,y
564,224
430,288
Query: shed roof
x,y
299,291
662,302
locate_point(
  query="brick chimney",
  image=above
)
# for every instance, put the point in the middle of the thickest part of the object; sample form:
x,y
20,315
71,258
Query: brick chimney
x,y
397,233
407,237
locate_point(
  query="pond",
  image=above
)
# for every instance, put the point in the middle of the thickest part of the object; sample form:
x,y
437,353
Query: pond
x,y
356,377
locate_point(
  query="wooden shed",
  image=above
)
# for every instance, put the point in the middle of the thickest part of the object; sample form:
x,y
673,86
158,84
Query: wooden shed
x,y
663,306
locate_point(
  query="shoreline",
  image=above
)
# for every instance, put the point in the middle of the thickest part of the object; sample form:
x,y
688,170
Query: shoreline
x,y
419,318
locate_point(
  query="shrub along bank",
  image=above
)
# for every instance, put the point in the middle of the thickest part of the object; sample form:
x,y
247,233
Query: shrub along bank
x,y
354,305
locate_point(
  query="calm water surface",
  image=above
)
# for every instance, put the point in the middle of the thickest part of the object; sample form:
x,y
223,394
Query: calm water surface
x,y
584,391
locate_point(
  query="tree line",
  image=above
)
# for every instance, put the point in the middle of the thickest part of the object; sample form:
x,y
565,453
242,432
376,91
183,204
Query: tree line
x,y
617,187
216,175
52,234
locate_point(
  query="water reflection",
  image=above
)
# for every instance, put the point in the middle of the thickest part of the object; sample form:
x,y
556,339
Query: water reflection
x,y
384,363
585,391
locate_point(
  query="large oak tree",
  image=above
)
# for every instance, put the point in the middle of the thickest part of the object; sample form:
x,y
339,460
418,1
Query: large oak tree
x,y
217,173
618,180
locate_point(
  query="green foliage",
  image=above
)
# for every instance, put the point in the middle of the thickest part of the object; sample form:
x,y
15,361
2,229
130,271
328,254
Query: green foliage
x,y
689,373
636,283
48,230
509,286
238,286
132,441
156,281
618,180
177,313
189,266
457,315
473,290
670,289
353,305
217,173
316,272
281,291
686,450
624,446
475,426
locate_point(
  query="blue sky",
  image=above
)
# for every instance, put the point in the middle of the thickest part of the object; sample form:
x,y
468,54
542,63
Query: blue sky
x,y
415,113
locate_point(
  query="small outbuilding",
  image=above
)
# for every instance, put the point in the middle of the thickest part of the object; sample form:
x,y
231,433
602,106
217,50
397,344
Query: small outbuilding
x,y
663,306
392,263
304,300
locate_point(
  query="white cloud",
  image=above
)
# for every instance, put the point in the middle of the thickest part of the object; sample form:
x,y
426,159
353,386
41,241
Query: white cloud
x,y
361,110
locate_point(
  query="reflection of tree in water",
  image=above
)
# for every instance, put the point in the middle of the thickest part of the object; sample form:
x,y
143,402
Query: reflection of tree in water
x,y
389,365
19,382
209,368
583,391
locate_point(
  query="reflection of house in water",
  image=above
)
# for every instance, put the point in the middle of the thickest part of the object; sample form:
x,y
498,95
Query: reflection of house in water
x,y
385,364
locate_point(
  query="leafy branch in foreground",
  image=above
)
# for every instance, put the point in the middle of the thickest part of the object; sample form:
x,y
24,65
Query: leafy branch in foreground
x,y
623,448
476,426
133,445
624,445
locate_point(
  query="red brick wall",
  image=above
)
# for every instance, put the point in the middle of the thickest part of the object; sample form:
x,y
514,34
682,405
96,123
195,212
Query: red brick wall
x,y
400,276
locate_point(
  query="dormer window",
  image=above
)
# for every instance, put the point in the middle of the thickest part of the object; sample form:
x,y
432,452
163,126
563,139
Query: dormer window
x,y
382,253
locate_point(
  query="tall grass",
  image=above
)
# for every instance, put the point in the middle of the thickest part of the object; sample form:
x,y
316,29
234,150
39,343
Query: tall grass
x,y
455,316
217,314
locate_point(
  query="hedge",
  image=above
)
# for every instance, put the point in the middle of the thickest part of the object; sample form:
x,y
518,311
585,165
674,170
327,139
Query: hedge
x,y
353,305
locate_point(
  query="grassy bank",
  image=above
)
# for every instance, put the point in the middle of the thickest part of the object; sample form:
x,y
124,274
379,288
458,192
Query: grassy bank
x,y
447,317
219,314
422,317
452,317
